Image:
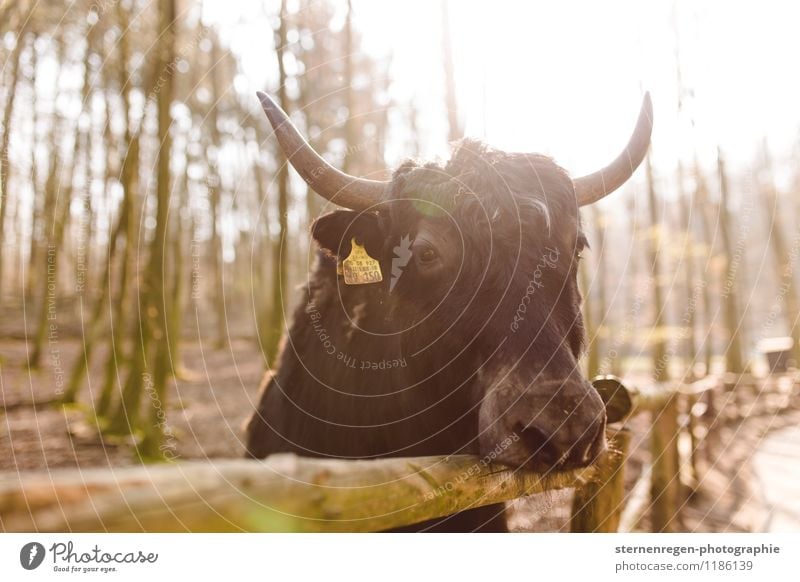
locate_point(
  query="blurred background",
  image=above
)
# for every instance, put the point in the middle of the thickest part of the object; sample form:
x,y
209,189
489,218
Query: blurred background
x,y
152,236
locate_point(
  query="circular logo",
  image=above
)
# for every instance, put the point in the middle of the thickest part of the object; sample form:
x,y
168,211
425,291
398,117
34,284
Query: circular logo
x,y
31,555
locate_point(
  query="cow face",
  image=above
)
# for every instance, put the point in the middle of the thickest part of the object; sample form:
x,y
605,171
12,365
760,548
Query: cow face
x,y
478,261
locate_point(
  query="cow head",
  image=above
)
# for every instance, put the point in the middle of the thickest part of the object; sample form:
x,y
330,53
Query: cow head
x,y
478,260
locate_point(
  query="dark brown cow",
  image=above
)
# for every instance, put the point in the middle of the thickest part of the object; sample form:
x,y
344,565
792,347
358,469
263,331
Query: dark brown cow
x,y
442,315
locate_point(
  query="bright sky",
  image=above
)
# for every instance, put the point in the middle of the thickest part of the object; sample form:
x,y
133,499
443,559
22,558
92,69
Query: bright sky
x,y
566,78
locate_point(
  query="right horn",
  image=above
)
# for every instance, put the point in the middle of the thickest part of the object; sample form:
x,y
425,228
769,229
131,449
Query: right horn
x,y
593,187
324,179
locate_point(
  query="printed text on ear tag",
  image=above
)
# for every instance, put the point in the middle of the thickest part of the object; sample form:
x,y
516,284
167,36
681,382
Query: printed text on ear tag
x,y
359,268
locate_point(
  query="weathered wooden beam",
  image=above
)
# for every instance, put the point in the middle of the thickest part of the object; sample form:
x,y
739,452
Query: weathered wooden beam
x,y
282,493
597,506
638,501
665,499
653,397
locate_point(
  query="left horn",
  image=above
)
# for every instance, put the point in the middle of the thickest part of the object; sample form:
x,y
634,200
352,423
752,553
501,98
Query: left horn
x,y
593,187
327,181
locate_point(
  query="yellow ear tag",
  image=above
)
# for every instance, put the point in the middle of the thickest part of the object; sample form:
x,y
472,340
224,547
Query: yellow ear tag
x,y
359,268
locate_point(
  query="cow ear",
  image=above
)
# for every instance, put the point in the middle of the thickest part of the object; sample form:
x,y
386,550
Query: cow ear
x,y
334,231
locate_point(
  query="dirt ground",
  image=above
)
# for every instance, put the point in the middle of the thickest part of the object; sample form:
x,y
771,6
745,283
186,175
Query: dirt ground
x,y
209,406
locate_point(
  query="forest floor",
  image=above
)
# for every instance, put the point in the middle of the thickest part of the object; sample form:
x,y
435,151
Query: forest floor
x,y
208,408
777,465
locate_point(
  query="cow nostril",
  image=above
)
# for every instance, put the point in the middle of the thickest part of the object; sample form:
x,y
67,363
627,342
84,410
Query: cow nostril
x,y
589,448
539,444
598,442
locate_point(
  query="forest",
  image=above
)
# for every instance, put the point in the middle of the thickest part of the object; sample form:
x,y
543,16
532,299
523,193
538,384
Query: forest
x,y
154,238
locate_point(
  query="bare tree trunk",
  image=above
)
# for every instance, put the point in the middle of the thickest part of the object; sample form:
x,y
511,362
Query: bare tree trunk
x,y
349,124
129,177
178,273
454,131
158,308
84,234
280,255
382,121
214,184
54,216
215,196
733,352
413,126
781,254
660,361
153,313
5,138
601,326
83,249
701,197
313,202
630,291
264,264
96,320
57,220
82,363
593,358
689,313
34,246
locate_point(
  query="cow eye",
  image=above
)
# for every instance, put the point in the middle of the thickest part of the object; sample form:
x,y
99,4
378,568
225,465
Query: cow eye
x,y
427,255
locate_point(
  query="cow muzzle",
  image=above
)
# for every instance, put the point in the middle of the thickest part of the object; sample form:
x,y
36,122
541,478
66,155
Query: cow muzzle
x,y
556,425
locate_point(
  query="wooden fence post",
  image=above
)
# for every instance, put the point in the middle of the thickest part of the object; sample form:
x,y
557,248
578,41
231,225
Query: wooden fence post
x,y
597,505
712,421
665,485
694,438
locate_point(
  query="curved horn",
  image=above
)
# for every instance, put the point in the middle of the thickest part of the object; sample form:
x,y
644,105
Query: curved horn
x,y
327,181
593,187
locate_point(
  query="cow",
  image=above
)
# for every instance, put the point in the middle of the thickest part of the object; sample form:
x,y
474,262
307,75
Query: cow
x,y
442,315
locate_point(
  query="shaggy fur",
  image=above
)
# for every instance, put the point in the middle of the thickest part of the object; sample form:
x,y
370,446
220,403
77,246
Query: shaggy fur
x,y
465,350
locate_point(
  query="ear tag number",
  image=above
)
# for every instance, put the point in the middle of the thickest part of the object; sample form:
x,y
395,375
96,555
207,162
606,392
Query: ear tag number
x,y
359,268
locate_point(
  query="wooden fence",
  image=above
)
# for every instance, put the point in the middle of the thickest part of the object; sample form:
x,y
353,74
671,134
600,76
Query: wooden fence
x,y
289,493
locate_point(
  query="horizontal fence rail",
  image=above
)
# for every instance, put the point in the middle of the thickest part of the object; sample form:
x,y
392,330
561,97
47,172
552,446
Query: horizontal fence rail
x,y
282,493
285,493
